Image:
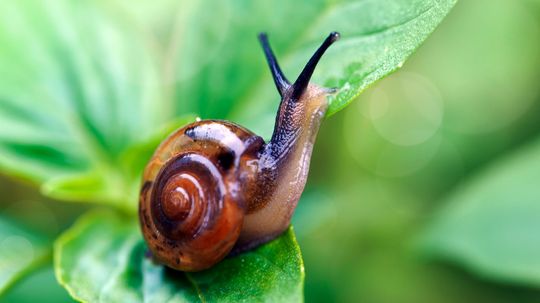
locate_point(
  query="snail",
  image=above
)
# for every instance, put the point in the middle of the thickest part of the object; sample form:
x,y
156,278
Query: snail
x,y
214,188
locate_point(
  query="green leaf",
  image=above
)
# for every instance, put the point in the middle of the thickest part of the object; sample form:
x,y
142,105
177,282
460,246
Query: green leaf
x,y
21,252
102,258
234,82
491,223
79,86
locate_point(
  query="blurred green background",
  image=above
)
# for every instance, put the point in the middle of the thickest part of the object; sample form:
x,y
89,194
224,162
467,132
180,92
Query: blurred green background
x,y
396,163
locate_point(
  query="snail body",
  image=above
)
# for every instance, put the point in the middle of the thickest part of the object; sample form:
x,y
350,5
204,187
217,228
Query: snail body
x,y
214,187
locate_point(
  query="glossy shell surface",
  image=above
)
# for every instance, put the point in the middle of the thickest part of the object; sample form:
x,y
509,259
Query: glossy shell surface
x,y
191,206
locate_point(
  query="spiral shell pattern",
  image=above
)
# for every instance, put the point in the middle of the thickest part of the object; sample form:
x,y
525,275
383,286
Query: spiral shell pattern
x,y
191,207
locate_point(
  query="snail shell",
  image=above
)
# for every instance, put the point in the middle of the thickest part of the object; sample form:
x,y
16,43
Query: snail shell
x,y
192,206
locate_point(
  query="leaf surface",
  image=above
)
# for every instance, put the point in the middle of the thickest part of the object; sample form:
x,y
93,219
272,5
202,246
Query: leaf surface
x,y
103,258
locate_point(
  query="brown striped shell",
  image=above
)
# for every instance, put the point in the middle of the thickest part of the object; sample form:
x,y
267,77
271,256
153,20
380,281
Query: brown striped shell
x,y
191,206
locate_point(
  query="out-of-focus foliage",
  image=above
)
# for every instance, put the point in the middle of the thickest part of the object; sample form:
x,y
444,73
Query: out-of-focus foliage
x,y
77,88
20,252
489,223
102,259
41,286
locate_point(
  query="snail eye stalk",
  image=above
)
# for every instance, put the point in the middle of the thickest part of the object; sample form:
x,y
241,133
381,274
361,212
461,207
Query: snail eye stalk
x,y
302,81
280,80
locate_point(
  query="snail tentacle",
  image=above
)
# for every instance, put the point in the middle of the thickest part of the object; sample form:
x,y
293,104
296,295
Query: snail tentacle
x,y
282,84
